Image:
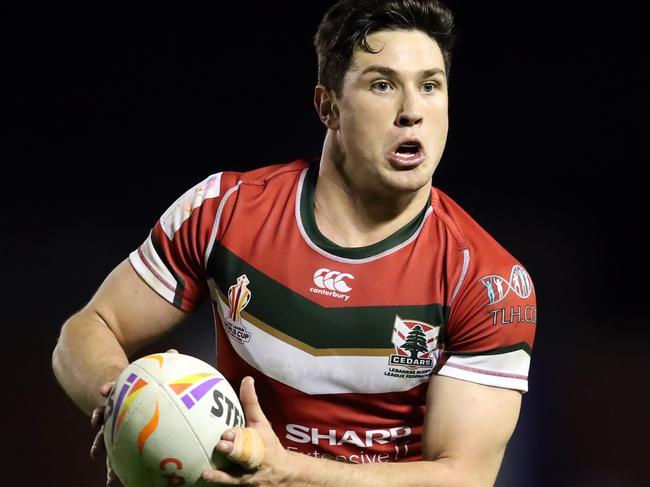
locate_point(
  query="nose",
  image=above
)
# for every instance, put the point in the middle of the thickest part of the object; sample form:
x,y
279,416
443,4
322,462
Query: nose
x,y
409,113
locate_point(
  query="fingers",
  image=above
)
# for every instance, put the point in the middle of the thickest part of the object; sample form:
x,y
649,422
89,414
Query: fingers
x,y
248,398
98,448
111,478
97,417
172,350
223,478
226,444
105,389
243,446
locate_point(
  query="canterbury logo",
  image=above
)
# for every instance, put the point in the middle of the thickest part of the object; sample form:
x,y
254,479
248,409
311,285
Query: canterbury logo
x,y
332,280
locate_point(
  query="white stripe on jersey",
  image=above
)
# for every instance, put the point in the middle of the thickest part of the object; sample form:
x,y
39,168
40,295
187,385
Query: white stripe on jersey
x,y
308,373
217,220
508,370
153,270
463,273
181,209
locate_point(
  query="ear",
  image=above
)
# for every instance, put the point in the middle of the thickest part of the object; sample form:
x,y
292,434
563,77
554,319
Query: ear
x,y
326,106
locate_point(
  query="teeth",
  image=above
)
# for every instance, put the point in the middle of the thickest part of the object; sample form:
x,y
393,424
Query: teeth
x,y
408,150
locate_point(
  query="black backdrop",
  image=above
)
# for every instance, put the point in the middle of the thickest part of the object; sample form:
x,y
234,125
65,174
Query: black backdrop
x,y
112,111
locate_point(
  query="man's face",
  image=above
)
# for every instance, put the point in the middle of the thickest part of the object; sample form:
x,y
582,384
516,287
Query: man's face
x,y
393,113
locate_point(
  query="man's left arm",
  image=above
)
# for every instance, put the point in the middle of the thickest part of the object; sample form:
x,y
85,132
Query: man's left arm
x,y
466,430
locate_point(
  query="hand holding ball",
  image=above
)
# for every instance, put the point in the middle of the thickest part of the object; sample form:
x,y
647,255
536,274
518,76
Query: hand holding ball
x,y
165,415
248,448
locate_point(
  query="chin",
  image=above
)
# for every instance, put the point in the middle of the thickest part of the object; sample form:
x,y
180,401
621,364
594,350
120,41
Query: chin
x,y
404,184
410,181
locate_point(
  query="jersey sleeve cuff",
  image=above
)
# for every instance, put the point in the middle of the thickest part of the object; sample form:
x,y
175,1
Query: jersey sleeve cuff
x,y
508,370
150,267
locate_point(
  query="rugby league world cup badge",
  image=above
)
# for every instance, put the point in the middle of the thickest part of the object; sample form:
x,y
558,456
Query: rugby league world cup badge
x,y
238,298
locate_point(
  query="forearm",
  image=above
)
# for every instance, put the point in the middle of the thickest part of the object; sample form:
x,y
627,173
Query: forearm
x,y
311,471
86,356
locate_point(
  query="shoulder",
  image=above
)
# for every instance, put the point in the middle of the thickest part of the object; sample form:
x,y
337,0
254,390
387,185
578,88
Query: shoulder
x,y
468,234
262,176
492,319
205,199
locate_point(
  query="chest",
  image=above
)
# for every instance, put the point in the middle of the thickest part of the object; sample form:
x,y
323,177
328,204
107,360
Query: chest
x,y
327,327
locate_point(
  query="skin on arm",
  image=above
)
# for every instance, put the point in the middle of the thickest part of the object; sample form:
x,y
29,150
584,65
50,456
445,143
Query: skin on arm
x,y
467,428
95,343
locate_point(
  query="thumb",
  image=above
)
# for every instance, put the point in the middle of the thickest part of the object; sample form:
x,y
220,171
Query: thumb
x,y
250,404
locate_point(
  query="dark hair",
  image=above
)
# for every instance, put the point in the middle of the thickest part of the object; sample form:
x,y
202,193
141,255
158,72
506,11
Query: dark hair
x,y
348,23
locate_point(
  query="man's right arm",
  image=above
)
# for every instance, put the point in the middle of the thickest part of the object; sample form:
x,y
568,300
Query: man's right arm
x,y
95,343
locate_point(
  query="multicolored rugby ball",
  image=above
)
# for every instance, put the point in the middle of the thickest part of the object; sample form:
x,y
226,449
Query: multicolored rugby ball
x,y
163,418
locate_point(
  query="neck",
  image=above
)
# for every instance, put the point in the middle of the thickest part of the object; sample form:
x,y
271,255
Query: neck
x,y
353,217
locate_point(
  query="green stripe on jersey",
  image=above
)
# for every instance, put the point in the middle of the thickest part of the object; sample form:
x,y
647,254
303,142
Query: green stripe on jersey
x,y
301,319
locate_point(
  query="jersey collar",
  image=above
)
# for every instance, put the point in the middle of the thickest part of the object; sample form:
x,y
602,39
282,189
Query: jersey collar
x,y
376,250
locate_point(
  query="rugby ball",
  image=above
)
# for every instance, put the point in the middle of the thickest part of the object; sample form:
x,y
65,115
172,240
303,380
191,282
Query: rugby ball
x,y
163,418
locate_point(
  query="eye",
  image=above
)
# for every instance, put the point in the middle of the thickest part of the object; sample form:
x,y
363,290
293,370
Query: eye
x,y
429,86
381,86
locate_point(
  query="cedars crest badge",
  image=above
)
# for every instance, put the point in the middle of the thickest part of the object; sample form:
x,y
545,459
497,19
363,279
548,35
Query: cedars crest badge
x,y
416,344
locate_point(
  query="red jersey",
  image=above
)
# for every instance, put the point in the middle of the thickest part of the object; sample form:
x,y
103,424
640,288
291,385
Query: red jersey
x,y
341,341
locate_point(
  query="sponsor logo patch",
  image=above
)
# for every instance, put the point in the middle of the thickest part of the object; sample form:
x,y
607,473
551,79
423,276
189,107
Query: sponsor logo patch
x,y
385,444
332,283
416,344
514,314
498,287
363,439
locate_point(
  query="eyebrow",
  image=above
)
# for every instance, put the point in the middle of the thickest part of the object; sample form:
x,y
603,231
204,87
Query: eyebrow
x,y
386,71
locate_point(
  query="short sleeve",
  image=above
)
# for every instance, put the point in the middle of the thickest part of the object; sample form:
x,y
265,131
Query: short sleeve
x,y
490,332
172,258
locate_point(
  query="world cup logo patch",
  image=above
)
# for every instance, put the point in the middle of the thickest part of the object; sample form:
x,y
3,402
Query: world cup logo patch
x,y
238,298
416,345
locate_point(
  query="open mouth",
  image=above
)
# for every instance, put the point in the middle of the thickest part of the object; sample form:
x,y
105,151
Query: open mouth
x,y
410,149
407,155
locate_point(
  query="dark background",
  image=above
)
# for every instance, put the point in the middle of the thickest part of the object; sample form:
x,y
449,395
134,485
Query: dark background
x,y
111,112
